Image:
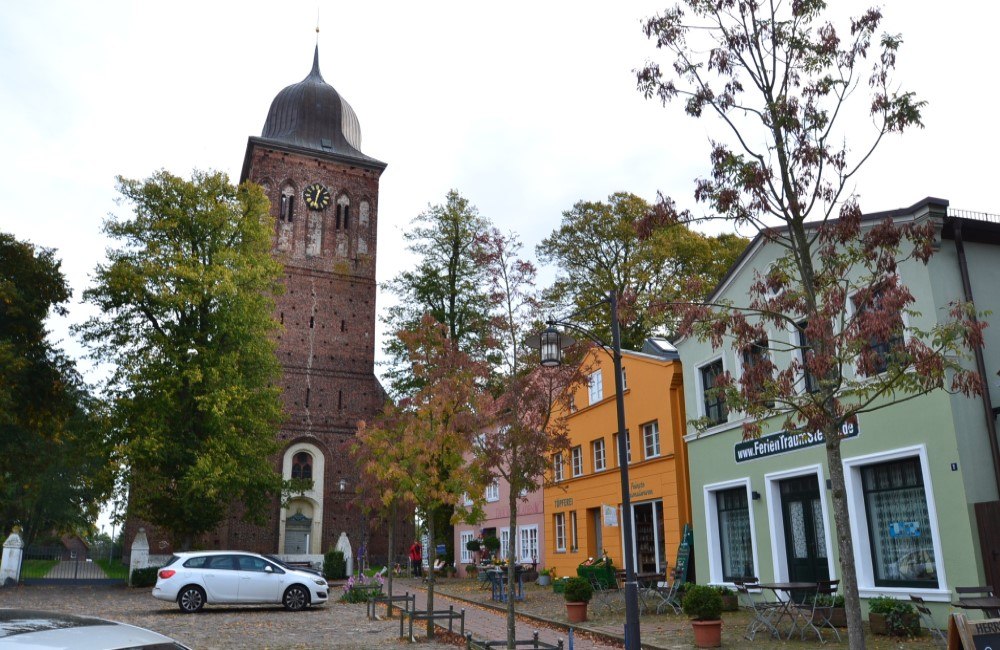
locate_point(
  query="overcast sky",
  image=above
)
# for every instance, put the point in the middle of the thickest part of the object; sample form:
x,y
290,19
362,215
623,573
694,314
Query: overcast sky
x,y
525,108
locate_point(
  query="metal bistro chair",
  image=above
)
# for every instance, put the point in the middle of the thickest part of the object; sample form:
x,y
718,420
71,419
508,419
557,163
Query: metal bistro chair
x,y
666,592
815,610
761,609
928,620
606,591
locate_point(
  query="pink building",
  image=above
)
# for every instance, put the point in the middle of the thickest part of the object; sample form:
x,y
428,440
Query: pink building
x,y
529,547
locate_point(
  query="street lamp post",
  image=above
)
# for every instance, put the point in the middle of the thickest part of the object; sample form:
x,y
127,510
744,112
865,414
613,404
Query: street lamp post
x,y
551,343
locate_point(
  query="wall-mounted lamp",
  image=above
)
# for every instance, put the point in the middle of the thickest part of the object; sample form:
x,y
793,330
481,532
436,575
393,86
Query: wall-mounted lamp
x,y
755,495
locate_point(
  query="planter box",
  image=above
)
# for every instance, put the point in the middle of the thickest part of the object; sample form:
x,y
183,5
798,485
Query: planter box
x,y
730,603
838,617
879,625
603,574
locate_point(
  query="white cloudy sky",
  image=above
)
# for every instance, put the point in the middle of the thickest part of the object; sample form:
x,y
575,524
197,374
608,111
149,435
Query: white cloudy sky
x,y
524,107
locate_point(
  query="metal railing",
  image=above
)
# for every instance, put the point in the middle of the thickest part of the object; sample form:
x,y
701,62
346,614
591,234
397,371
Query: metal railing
x,y
974,215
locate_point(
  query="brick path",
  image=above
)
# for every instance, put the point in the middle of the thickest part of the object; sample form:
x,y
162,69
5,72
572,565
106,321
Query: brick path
x,y
491,625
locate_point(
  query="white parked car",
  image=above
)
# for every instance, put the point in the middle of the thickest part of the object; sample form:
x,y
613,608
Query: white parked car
x,y
23,629
214,577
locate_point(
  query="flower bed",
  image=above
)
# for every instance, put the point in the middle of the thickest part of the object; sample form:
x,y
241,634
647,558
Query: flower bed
x,y
359,589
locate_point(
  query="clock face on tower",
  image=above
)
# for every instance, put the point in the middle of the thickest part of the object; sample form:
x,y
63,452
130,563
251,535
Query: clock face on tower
x,y
316,196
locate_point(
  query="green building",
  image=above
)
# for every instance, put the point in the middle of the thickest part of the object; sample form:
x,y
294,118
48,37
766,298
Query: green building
x,y
921,475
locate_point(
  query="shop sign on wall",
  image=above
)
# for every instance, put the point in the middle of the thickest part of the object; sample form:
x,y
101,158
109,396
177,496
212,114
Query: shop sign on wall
x,y
610,514
784,441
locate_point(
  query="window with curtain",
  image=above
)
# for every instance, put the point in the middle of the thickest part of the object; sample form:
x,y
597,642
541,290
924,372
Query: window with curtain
x,y
559,521
735,545
899,526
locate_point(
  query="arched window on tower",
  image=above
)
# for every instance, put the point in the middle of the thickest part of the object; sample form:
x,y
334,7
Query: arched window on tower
x,y
287,205
302,465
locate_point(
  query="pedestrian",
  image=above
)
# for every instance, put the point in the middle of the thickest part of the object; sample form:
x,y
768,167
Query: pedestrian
x,y
415,559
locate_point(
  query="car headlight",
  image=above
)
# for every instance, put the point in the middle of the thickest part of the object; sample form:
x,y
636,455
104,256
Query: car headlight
x,y
320,582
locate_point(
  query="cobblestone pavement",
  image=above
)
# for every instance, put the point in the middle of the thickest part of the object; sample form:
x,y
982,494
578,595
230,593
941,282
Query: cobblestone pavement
x,y
334,625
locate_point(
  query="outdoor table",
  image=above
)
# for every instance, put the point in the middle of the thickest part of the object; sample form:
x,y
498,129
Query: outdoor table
x,y
788,588
990,605
498,580
646,581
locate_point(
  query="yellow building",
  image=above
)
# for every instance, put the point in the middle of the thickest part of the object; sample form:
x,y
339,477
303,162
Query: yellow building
x,y
583,513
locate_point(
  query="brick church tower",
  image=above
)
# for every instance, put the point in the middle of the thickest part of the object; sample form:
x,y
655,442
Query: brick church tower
x,y
324,199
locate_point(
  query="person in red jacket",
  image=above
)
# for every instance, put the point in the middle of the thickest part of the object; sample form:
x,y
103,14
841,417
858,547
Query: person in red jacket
x,y
415,559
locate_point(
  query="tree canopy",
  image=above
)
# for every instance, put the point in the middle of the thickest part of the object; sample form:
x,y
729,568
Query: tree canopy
x,y
446,282
186,304
781,78
55,457
599,249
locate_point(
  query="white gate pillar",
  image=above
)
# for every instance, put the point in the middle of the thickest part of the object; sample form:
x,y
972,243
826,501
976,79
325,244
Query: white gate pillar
x,y
10,563
140,553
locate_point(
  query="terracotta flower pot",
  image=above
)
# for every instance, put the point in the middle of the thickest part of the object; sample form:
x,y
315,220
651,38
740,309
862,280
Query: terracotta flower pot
x,y
576,612
707,634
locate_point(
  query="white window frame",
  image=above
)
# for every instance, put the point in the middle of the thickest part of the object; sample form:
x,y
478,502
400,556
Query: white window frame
x,y
595,387
712,532
464,538
859,525
653,427
559,528
557,467
701,388
600,459
493,491
628,448
576,460
504,543
527,550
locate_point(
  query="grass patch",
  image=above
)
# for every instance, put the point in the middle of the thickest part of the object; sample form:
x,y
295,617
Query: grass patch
x,y
37,568
114,569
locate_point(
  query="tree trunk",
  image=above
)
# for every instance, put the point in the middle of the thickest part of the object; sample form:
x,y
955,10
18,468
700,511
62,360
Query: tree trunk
x,y
845,542
511,572
390,566
431,559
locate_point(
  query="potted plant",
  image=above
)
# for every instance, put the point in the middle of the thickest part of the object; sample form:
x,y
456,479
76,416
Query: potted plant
x,y
704,604
892,617
545,577
838,616
473,546
472,570
730,603
491,544
577,593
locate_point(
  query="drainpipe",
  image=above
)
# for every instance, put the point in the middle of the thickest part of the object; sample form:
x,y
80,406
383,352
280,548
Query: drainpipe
x,y
991,427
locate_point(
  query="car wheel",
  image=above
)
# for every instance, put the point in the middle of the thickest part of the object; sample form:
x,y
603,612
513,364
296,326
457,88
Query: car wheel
x,y
191,599
296,598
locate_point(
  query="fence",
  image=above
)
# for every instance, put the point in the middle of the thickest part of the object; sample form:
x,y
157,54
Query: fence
x,y
533,643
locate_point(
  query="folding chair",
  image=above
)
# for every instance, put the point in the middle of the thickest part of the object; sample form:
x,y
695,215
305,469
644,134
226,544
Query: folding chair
x,y
816,608
666,592
928,620
762,610
605,593
974,592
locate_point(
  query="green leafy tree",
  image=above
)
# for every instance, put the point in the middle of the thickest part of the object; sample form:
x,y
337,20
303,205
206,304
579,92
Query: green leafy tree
x,y
186,303
446,283
55,457
599,249
417,449
779,77
528,416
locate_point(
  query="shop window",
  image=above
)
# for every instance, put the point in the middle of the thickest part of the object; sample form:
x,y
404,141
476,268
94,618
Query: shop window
x,y
734,542
528,547
465,537
714,404
559,519
899,527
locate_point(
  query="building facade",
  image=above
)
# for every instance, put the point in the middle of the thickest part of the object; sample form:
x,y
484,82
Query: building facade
x,y
583,511
528,539
920,474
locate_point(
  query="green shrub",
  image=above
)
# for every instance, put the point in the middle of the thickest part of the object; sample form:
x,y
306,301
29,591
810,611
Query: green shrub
x,y
578,590
886,605
723,590
702,603
334,565
473,545
492,543
144,577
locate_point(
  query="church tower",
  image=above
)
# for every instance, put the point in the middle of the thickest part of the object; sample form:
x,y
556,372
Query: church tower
x,y
324,199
